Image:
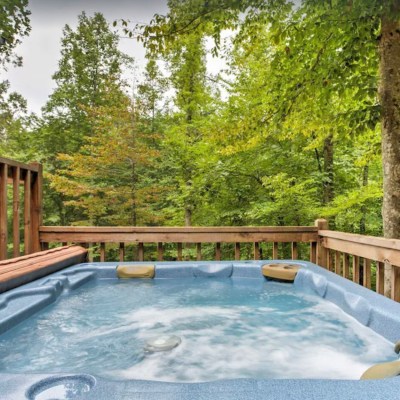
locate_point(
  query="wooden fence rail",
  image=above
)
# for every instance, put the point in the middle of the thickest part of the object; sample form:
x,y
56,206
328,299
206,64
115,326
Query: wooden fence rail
x,y
179,236
13,175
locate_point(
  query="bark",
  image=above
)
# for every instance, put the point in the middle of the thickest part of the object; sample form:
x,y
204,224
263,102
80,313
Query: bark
x,y
328,193
389,95
188,216
363,208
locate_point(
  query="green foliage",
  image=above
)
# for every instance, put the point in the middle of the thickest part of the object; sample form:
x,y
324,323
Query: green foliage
x,y
295,138
14,24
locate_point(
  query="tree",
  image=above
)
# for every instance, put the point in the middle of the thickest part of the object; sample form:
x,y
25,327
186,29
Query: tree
x,y
89,75
90,67
14,24
108,178
332,50
183,139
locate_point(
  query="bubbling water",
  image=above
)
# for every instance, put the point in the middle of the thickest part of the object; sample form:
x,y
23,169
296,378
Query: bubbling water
x,y
228,329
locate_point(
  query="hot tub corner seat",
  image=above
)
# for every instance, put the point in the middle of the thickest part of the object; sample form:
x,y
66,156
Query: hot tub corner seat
x,y
136,271
21,270
284,272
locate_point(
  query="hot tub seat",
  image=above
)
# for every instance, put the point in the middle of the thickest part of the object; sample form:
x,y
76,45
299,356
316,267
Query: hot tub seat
x,y
284,272
382,371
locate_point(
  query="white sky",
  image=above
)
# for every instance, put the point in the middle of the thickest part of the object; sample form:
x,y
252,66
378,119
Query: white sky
x,y
41,50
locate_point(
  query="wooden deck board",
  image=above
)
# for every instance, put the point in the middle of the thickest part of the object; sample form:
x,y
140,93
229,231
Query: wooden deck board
x,y
21,270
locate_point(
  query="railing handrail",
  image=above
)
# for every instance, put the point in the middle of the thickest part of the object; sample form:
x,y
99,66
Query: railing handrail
x,y
34,167
362,239
243,234
180,229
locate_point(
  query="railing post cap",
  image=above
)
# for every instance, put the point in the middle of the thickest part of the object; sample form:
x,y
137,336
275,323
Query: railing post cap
x,y
321,223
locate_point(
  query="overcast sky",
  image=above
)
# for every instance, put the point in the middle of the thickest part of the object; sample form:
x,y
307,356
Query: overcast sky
x,y
41,50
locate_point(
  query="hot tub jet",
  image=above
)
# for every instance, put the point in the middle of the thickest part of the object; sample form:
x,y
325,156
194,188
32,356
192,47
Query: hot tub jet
x,y
162,343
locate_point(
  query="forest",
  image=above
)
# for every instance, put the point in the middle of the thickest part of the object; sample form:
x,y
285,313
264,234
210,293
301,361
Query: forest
x,y
290,130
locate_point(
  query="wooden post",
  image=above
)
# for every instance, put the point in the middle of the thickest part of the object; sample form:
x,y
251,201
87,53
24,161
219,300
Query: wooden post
x,y
237,251
179,251
3,211
321,224
218,251
16,239
27,214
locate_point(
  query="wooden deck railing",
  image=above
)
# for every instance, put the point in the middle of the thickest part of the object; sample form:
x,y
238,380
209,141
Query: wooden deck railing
x,y
364,259
13,174
161,236
356,257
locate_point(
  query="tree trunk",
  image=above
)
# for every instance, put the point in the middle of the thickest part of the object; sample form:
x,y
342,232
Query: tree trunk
x,y
364,208
328,193
188,217
389,94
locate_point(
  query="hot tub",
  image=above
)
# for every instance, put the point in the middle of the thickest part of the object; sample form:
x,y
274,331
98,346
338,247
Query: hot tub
x,y
84,333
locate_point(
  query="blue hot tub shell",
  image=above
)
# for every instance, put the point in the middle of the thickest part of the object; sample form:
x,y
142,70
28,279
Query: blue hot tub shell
x,y
375,311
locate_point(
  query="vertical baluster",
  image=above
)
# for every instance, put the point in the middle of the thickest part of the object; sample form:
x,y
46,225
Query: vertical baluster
x,y
338,263
140,251
346,266
322,256
313,252
179,251
90,252
367,273
356,269
395,295
275,251
102,252
27,213
237,251
380,277
198,251
160,251
36,207
218,251
122,252
331,260
16,238
3,211
256,248
295,254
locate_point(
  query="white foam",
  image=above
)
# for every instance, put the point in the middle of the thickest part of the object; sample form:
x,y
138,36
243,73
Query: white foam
x,y
217,352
